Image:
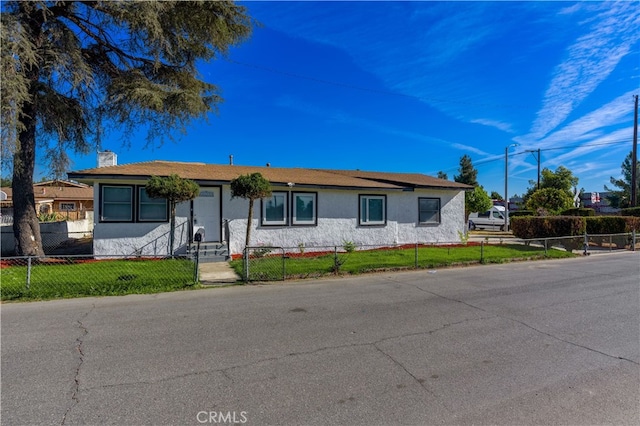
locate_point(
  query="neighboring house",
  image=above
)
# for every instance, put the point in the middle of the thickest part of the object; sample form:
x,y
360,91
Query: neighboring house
x,y
309,207
68,200
598,201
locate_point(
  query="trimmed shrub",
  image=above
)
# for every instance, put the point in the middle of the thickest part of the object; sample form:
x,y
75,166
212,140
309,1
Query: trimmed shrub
x,y
520,213
631,211
547,226
606,225
584,212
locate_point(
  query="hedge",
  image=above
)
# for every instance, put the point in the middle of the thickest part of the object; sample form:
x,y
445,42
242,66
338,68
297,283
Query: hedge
x,y
631,211
566,226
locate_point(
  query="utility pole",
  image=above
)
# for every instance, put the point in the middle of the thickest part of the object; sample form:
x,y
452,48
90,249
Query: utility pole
x,y
538,168
634,158
538,160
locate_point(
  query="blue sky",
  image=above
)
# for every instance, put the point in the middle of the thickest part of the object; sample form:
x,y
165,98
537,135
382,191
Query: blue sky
x,y
413,86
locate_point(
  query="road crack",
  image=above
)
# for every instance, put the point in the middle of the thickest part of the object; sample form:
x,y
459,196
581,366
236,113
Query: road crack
x,y
529,326
79,346
226,370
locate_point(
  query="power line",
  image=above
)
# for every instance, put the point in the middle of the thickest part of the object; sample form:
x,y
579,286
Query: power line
x,y
500,157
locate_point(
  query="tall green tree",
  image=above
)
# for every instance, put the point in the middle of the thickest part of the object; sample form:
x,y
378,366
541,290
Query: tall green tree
x,y
561,179
175,190
71,69
477,200
620,195
468,173
442,175
251,187
550,200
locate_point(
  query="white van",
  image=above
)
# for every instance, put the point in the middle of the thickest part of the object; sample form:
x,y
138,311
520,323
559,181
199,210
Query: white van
x,y
491,219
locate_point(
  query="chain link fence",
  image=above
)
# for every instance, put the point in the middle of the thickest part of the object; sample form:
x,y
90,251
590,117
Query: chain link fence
x,y
33,278
55,243
58,276
267,263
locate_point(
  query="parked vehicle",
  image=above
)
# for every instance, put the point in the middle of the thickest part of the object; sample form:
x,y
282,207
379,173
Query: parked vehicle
x,y
491,219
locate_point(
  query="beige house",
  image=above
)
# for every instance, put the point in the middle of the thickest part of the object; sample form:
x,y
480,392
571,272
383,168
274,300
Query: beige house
x,y
67,200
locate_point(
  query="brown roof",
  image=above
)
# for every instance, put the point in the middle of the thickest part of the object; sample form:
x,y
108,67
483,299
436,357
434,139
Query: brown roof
x,y
57,193
276,175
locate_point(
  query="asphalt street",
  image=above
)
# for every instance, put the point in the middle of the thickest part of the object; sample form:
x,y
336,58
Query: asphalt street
x,y
546,342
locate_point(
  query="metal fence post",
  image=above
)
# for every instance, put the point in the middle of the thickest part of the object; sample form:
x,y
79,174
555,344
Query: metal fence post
x,y
245,256
28,272
586,244
545,246
284,267
633,240
481,251
416,262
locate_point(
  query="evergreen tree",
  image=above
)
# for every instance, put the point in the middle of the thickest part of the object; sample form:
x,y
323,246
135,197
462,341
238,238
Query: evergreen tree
x,y
70,69
468,173
442,175
621,197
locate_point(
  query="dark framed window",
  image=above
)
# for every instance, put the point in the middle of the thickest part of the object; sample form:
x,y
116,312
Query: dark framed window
x,y
116,203
69,206
305,208
429,211
151,209
373,209
275,208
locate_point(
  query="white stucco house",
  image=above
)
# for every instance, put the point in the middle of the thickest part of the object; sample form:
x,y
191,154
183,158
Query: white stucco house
x,y
309,207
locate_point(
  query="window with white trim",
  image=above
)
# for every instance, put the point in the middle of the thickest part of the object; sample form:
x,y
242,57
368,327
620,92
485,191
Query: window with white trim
x,y
151,209
373,209
305,208
274,209
116,203
429,211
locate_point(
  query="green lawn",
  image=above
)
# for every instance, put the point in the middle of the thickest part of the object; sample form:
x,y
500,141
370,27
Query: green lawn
x,y
275,268
50,280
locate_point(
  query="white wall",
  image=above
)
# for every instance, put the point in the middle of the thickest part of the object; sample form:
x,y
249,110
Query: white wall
x,y
337,221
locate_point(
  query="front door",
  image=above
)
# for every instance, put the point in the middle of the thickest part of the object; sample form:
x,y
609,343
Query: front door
x,y
206,213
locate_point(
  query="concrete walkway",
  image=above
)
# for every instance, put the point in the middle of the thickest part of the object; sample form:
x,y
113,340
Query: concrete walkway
x,y
212,273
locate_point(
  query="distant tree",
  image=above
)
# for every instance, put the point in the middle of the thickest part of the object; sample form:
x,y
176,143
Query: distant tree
x,y
72,69
496,196
468,173
251,187
175,190
562,179
552,200
5,182
621,197
442,175
476,201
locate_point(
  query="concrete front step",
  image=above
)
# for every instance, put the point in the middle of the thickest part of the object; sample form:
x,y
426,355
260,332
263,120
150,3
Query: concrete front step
x,y
210,252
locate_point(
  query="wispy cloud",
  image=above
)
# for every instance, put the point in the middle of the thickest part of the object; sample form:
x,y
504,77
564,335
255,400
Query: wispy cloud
x,y
589,61
500,125
469,148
